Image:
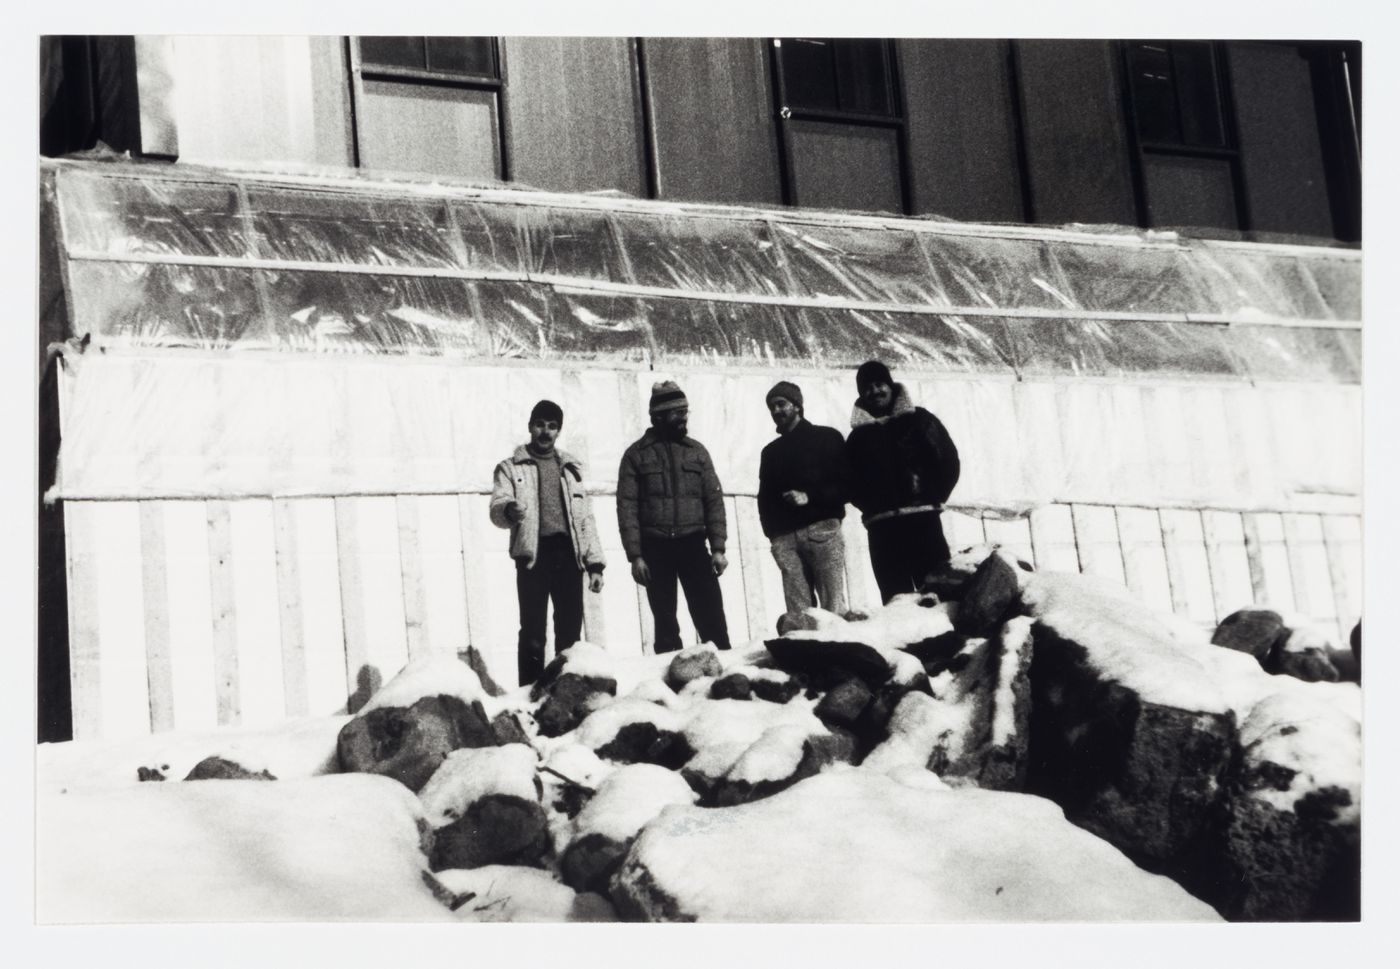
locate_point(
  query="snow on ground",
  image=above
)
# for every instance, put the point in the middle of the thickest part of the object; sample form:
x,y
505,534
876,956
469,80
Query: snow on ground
x,y
341,847
503,893
852,845
299,748
629,798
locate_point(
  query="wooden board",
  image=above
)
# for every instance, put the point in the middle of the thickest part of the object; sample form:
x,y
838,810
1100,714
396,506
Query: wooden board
x,y
156,609
1013,536
1307,562
1144,556
1230,578
493,613
1188,567
261,697
193,669
84,645
749,553
1096,536
223,613
861,589
317,596
1052,539
288,552
1269,568
371,584
1342,534
962,530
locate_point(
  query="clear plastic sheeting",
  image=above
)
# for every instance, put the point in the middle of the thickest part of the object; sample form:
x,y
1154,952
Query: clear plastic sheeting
x,y
176,256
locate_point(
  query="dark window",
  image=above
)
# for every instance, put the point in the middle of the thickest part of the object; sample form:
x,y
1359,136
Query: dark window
x,y
846,76
1176,93
1186,163
841,129
473,57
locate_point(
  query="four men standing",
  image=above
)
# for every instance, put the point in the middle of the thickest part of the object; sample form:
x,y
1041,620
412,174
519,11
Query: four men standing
x,y
898,466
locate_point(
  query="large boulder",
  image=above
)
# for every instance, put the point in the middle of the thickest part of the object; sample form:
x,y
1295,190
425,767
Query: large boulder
x,y
483,806
826,662
891,853
1304,653
585,661
568,699
692,664
989,598
604,830
410,743
784,755
1252,631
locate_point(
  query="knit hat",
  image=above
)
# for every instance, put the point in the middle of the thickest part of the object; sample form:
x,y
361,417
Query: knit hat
x,y
666,395
873,371
547,410
787,390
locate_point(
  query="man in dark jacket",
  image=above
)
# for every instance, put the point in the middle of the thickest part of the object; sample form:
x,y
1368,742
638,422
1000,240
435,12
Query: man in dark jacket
x,y
669,503
903,468
801,501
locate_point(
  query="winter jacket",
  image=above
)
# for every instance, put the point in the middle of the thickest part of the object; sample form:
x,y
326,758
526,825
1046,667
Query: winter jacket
x,y
668,489
517,479
807,458
903,461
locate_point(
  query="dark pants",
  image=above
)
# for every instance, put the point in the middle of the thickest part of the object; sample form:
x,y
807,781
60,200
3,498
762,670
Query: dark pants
x,y
905,550
556,576
686,559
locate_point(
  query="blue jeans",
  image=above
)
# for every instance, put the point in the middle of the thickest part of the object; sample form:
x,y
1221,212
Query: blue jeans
x,y
813,563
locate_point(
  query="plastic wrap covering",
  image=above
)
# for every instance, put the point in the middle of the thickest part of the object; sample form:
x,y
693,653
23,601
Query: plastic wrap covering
x,y
201,258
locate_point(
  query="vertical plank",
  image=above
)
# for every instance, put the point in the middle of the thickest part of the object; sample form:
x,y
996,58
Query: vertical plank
x,y
734,584
156,603
192,665
322,625
962,530
223,613
126,710
1188,569
84,647
441,576
261,696
1013,536
861,590
1307,560
1145,556
1096,535
494,614
411,566
1052,539
618,600
294,688
1229,561
1342,534
752,547
1268,561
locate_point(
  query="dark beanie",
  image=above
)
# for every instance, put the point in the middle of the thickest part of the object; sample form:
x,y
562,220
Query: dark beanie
x,y
787,390
666,395
547,410
873,371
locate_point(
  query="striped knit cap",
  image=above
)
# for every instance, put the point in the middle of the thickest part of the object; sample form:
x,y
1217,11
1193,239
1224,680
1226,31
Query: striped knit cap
x,y
666,395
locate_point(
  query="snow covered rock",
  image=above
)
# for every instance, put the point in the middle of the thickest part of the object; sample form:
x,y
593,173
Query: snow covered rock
x,y
409,744
826,662
506,893
222,769
1252,631
781,757
721,731
1304,653
692,664
568,699
603,831
1291,841
918,854
483,806
989,598
584,660
633,731
1130,734
335,848
734,686
435,674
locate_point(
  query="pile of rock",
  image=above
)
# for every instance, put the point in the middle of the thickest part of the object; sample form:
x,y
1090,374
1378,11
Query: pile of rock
x,y
826,756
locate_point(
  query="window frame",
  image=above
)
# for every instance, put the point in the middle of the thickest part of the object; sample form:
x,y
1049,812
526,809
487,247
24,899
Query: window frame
x,y
783,113
360,72
1140,149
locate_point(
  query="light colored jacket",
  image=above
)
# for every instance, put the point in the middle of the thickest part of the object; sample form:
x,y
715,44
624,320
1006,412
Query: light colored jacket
x,y
518,479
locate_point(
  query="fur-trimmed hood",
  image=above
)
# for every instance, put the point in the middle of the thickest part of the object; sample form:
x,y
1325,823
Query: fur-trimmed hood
x,y
902,405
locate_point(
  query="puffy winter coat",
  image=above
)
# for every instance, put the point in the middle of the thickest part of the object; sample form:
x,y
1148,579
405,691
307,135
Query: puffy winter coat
x,y
810,459
668,489
904,460
518,479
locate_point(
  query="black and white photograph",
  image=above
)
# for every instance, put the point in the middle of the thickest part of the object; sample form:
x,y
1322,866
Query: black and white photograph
x,y
810,472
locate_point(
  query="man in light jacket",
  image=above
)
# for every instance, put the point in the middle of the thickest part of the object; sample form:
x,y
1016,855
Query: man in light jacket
x,y
538,494
669,504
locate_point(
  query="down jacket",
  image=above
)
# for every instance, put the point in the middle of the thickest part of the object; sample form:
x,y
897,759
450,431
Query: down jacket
x,y
518,479
902,460
668,489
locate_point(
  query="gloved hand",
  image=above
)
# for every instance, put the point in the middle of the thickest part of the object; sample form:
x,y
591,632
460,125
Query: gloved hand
x,y
718,562
641,574
595,582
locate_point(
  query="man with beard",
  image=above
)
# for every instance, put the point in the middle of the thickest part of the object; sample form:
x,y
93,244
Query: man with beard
x,y
903,468
538,494
669,504
801,501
